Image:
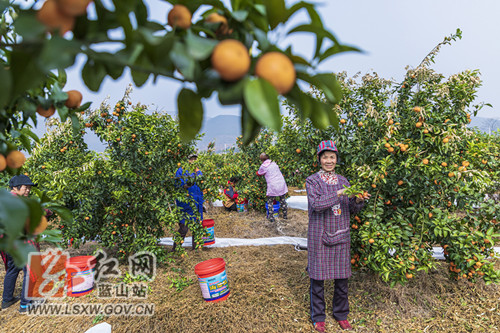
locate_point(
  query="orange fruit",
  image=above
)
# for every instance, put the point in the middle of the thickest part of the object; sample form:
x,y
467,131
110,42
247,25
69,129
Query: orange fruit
x,y
179,16
230,59
425,161
451,174
484,161
3,163
402,148
430,215
15,159
390,150
444,164
53,18
73,7
390,122
418,125
41,226
387,145
360,124
417,109
343,121
278,69
45,112
445,140
400,182
409,275
426,131
223,28
74,99
374,186
371,241
298,151
178,164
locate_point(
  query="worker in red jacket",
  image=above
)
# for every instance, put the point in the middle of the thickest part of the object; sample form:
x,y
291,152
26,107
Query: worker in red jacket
x,y
230,194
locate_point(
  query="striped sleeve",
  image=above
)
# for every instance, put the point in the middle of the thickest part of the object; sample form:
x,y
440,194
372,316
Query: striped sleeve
x,y
319,200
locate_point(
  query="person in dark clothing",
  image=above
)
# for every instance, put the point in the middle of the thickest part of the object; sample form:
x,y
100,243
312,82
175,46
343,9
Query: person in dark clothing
x,y
20,186
328,236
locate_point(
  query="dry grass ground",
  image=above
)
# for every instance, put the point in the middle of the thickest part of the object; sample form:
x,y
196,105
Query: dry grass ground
x,y
269,293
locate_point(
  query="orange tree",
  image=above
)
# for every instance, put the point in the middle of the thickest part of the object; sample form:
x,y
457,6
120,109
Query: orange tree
x,y
39,39
126,196
409,145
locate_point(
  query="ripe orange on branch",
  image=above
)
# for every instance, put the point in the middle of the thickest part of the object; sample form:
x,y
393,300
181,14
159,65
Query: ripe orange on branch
x,y
45,112
15,159
53,18
231,60
223,27
74,99
3,163
278,69
179,16
73,7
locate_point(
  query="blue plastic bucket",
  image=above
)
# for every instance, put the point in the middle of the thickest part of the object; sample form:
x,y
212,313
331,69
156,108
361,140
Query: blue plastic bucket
x,y
276,207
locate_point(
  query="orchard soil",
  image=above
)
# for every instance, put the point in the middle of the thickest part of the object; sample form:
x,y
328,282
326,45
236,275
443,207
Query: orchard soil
x,y
269,293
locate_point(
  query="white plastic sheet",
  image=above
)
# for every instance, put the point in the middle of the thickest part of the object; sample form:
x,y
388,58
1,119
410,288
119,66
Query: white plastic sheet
x,y
100,328
298,242
297,202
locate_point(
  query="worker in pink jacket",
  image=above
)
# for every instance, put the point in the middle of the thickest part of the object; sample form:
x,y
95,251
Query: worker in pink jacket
x,y
276,185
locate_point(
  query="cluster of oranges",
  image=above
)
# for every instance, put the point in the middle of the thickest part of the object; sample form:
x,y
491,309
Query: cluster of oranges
x,y
14,160
231,59
74,100
61,14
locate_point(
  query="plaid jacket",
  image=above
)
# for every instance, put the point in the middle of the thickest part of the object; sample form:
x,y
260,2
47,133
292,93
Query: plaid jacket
x,y
326,209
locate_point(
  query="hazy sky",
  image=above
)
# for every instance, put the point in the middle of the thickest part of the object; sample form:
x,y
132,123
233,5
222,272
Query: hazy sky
x,y
393,34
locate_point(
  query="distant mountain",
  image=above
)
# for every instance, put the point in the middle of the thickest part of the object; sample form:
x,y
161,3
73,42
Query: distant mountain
x,y
488,125
223,130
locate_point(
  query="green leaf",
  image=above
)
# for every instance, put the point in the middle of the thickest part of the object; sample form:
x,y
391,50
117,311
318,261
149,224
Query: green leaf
x,y
50,236
92,74
13,214
140,76
5,86
182,61
313,15
319,116
330,86
24,73
250,128
261,37
301,101
199,48
320,33
190,111
275,12
262,101
35,213
61,211
75,124
27,25
58,53
232,93
240,15
337,48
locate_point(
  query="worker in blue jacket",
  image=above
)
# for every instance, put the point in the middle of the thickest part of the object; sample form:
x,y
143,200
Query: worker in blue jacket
x,y
189,181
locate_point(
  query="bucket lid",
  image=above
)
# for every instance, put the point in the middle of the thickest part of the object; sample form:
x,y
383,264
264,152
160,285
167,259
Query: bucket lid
x,y
208,222
209,266
81,261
